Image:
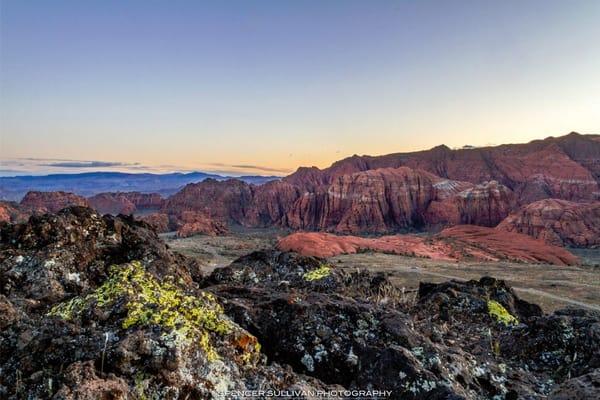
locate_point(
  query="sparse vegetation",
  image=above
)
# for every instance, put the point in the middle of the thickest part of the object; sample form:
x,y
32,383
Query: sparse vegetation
x,y
323,271
501,314
150,302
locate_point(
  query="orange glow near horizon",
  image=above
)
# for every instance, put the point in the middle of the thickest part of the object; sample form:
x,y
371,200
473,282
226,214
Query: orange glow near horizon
x,y
264,87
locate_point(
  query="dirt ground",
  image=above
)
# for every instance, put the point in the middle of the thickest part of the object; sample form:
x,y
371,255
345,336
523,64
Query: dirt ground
x,y
550,286
219,251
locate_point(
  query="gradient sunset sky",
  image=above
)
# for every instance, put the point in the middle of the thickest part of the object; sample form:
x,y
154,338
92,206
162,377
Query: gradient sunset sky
x,y
261,87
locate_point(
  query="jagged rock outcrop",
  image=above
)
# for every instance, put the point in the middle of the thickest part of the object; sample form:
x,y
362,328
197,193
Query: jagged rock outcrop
x,y
50,202
82,318
358,330
558,222
461,242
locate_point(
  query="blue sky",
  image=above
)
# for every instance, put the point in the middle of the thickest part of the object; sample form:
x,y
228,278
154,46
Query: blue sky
x,y
263,87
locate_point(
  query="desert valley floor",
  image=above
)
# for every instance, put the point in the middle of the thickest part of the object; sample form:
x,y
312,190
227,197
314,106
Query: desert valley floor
x,y
550,286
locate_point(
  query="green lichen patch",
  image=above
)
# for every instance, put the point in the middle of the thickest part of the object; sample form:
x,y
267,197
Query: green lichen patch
x,y
501,314
158,303
323,271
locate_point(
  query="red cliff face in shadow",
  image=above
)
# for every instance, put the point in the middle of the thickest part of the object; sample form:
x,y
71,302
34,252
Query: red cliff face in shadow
x,y
44,202
558,222
370,201
225,201
376,201
112,203
463,242
191,223
125,202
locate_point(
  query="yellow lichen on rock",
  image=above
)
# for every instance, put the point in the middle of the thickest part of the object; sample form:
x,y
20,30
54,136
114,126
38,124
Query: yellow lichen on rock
x,y
319,273
500,313
151,302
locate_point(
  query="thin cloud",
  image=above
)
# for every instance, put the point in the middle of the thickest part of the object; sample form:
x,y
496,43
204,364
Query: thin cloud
x,y
89,164
250,166
68,163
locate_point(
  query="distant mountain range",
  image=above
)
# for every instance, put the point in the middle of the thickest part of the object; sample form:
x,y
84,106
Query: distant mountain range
x,y
91,183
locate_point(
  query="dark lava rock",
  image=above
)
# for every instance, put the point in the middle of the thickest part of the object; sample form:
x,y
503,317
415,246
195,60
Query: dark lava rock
x,y
99,307
585,387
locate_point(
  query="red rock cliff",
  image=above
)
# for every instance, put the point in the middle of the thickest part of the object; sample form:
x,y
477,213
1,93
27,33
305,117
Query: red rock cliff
x,y
558,222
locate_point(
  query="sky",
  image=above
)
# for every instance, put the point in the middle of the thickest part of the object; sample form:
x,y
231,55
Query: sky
x,y
262,87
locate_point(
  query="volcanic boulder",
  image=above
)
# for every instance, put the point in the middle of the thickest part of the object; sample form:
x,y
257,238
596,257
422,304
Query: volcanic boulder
x,y
99,307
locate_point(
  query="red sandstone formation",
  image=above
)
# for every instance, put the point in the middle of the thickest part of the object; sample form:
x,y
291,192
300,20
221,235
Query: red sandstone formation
x,y
499,245
12,212
144,201
379,200
439,187
485,204
558,222
270,204
320,244
457,243
565,167
225,201
158,221
112,203
125,202
194,223
50,202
